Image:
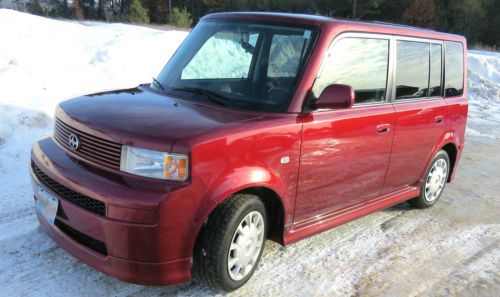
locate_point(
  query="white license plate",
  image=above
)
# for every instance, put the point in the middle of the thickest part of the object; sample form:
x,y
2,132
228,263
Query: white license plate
x,y
46,205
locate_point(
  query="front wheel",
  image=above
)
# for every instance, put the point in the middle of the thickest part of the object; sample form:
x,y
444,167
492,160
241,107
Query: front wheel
x,y
434,181
231,243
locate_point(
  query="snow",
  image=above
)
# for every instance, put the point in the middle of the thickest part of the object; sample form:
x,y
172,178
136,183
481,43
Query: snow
x,y
445,250
484,84
484,93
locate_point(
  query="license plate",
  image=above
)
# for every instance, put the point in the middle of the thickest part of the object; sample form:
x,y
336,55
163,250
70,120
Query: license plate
x,y
46,205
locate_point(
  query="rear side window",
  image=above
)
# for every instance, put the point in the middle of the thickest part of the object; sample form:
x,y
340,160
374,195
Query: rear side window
x,y
454,69
359,62
412,70
435,76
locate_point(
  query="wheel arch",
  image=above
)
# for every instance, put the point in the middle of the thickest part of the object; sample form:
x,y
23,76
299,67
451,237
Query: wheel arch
x,y
451,149
275,211
274,207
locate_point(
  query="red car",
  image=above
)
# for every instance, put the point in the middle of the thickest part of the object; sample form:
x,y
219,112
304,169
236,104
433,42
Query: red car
x,y
261,126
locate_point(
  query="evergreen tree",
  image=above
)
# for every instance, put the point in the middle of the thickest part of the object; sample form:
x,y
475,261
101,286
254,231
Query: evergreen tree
x,y
136,13
180,18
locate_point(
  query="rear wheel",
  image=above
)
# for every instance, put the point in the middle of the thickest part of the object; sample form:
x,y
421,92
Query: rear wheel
x,y
434,181
231,243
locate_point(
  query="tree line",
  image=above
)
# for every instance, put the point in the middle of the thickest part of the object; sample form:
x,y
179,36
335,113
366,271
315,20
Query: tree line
x,y
478,20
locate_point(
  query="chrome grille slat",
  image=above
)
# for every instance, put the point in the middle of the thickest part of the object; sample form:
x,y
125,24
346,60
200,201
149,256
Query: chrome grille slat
x,y
92,148
100,152
101,147
87,151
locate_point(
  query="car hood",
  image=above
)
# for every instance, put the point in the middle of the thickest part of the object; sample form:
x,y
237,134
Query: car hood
x,y
145,118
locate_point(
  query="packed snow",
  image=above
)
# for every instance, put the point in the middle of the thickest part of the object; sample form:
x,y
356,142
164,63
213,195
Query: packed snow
x,y
450,249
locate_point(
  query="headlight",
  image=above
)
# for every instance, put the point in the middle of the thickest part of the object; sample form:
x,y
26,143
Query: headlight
x,y
154,164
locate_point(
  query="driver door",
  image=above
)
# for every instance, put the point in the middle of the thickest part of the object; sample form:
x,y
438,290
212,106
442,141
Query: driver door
x,y
345,152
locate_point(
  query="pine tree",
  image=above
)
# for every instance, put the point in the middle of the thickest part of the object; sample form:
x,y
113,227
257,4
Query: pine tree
x,y
136,13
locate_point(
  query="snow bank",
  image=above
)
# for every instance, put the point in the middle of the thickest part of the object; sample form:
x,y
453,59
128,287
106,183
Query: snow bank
x,y
44,61
484,94
484,85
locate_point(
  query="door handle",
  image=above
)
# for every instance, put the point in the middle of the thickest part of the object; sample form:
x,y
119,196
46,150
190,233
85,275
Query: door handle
x,y
438,119
383,128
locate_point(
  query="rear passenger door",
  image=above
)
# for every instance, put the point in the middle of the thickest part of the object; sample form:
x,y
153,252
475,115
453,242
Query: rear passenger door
x,y
420,109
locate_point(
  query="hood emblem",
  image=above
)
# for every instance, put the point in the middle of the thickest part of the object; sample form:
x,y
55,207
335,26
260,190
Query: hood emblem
x,y
73,141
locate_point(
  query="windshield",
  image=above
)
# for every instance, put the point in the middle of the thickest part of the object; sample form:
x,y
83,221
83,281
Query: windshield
x,y
244,65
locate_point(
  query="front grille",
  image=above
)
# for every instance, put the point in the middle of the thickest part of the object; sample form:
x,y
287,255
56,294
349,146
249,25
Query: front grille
x,y
103,152
83,201
82,238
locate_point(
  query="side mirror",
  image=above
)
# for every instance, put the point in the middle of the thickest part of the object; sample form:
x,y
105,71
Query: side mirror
x,y
336,96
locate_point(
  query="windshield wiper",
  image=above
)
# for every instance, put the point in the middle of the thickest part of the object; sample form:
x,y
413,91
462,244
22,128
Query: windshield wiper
x,y
158,84
213,96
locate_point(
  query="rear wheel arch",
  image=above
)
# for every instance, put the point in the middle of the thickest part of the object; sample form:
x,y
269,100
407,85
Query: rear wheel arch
x,y
452,151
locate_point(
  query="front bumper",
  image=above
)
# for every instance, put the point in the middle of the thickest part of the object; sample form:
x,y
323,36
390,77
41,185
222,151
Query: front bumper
x,y
145,235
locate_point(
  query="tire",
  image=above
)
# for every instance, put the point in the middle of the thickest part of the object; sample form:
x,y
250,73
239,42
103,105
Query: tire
x,y
434,182
214,250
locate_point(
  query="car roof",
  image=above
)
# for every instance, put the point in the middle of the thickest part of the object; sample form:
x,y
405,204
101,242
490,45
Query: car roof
x,y
341,24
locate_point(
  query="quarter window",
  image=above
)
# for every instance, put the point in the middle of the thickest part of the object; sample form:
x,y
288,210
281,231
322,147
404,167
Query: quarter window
x,y
359,62
454,69
412,70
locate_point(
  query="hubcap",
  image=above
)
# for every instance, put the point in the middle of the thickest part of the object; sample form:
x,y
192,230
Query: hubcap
x,y
436,179
245,246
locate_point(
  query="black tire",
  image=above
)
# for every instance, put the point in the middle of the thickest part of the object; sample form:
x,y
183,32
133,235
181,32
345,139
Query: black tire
x,y
421,201
211,252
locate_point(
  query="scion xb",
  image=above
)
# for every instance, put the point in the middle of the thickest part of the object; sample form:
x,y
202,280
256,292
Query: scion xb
x,y
261,126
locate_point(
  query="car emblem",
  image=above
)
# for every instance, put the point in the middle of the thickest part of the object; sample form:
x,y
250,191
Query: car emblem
x,y
74,142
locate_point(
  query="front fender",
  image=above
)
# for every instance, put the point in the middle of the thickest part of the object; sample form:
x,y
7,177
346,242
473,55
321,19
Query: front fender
x,y
238,180
244,178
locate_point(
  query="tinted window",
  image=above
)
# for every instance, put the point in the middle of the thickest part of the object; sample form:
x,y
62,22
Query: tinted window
x,y
435,76
284,58
360,63
412,70
454,69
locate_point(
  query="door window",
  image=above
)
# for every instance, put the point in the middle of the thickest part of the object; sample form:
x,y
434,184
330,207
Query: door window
x,y
359,62
435,76
285,55
412,70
